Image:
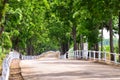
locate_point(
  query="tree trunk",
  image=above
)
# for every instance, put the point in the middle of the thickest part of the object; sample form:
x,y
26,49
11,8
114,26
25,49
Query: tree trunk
x,y
111,39
16,44
119,35
81,42
74,37
64,48
30,50
96,47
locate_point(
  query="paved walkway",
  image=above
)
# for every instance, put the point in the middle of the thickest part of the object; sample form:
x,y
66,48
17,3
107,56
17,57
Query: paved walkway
x,y
55,69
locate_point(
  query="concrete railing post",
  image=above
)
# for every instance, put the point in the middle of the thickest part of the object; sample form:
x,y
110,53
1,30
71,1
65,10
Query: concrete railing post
x,y
105,54
89,54
76,54
99,55
94,55
79,53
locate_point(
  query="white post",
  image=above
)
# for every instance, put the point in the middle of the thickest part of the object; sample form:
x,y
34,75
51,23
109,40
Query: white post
x,y
85,53
76,54
65,56
89,54
99,55
81,54
94,54
105,54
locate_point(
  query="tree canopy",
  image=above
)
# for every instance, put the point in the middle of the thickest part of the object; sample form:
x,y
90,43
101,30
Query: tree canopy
x,y
35,26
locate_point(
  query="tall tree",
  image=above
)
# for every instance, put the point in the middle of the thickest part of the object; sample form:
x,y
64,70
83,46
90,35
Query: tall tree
x,y
119,35
3,5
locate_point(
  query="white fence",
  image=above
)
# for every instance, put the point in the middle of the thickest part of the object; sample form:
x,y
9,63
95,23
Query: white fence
x,y
30,57
63,56
6,64
95,55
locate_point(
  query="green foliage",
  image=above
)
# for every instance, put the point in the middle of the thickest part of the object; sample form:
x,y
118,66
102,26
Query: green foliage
x,y
14,33
107,48
1,58
45,24
2,55
5,40
116,49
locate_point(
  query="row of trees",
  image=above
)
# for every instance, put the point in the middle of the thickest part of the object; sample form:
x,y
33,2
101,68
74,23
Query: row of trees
x,y
35,26
22,26
84,18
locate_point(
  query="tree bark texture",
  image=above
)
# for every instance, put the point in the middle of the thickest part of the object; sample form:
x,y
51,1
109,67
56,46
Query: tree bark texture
x,y
74,37
30,49
81,42
16,44
64,48
111,39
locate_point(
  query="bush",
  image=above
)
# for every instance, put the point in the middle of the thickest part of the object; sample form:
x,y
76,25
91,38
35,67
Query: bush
x,y
107,48
116,49
2,56
6,41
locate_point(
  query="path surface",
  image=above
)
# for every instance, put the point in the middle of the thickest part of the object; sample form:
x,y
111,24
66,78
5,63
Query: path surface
x,y
51,69
55,69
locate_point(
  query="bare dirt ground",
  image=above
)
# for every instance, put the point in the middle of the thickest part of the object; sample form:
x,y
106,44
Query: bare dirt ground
x,y
15,70
51,68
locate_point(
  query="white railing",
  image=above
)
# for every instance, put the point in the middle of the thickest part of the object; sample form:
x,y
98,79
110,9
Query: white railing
x,y
94,55
62,56
29,57
6,64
